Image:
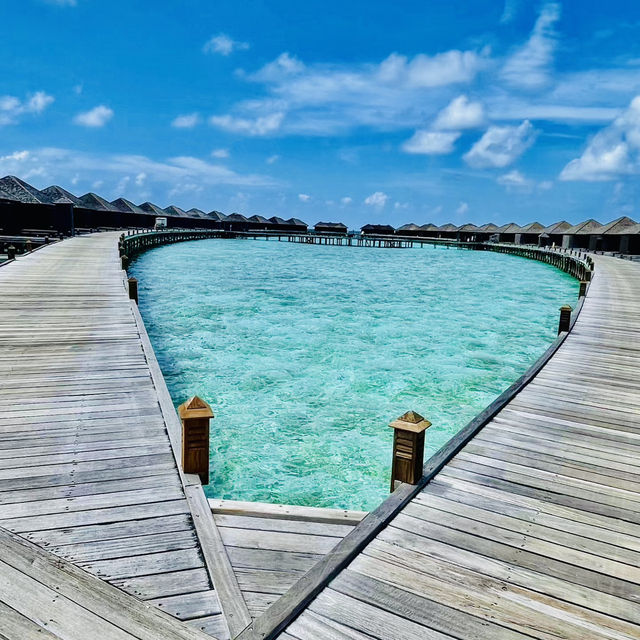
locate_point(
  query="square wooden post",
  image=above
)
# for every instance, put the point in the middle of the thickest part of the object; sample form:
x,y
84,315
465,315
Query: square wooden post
x,y
195,414
565,318
408,448
133,289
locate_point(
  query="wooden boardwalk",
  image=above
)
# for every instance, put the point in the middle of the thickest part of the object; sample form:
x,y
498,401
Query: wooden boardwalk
x,y
533,529
87,469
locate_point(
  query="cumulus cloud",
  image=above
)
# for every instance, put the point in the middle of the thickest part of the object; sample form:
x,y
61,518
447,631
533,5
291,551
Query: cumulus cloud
x,y
463,207
612,152
96,117
346,200
460,113
514,180
260,126
529,66
431,142
13,108
500,146
187,121
224,45
377,200
304,197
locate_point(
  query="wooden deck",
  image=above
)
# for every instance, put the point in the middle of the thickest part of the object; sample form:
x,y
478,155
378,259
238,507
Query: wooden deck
x,y
87,469
533,529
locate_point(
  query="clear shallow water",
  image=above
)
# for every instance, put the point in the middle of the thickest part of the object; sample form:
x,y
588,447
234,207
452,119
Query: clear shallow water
x,y
306,353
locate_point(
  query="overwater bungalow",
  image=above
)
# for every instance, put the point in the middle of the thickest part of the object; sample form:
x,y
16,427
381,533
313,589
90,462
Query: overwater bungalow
x,y
582,236
507,232
377,230
429,230
126,206
468,232
552,235
529,234
410,229
617,235
154,209
197,213
485,231
236,222
95,202
330,227
18,190
297,225
448,231
260,223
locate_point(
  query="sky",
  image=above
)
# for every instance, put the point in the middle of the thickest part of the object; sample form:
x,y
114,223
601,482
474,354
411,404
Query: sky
x,y
361,111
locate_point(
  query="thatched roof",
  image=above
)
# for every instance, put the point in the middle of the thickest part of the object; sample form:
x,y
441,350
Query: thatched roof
x,y
296,222
489,227
18,190
469,228
196,213
620,226
236,217
512,227
259,219
330,225
149,207
586,228
448,227
94,201
381,228
126,206
216,215
532,227
405,227
172,210
557,228
59,195
277,220
429,227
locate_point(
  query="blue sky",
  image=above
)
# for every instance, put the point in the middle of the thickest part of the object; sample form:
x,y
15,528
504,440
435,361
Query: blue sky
x,y
449,110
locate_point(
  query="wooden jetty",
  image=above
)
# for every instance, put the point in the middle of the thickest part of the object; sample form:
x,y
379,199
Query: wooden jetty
x,y
526,525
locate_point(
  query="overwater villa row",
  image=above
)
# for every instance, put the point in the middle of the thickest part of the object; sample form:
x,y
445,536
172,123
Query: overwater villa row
x,y
27,211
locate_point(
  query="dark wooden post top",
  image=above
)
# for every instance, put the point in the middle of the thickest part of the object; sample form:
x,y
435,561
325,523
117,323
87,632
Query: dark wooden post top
x,y
195,414
565,318
408,448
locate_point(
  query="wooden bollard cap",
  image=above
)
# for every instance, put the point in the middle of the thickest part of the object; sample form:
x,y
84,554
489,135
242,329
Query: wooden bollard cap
x,y
195,407
566,307
411,421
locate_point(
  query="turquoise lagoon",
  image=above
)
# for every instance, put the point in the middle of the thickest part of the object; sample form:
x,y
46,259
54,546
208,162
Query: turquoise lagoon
x,y
306,353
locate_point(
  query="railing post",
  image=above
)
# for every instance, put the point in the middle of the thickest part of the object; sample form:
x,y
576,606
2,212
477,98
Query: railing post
x,y
11,252
124,260
195,414
133,289
583,289
408,448
565,318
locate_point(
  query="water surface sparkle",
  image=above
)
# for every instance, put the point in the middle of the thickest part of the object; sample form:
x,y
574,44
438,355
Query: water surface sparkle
x,y
306,353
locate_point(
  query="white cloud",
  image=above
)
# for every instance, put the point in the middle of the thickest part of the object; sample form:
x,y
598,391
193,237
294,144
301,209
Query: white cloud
x,y
346,200
260,126
500,146
431,142
272,159
612,152
220,153
514,180
12,108
463,207
545,185
224,45
303,197
398,206
56,165
284,65
187,121
529,66
460,113
96,117
510,11
377,200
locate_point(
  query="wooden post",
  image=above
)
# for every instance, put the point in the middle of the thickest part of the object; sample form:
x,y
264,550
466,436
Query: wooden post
x,y
28,246
408,448
565,318
124,260
11,252
583,289
133,289
195,414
